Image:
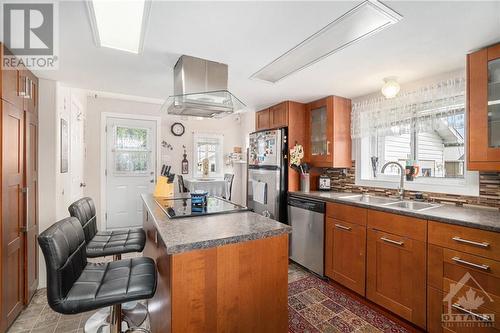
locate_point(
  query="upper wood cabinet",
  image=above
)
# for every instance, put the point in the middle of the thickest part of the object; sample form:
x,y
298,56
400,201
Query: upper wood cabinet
x,y
262,120
483,104
278,115
328,132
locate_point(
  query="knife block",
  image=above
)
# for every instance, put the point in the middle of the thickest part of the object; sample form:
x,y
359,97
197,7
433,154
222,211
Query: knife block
x,y
163,188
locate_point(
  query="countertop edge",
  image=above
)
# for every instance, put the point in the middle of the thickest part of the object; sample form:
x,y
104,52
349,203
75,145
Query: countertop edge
x,y
416,214
207,244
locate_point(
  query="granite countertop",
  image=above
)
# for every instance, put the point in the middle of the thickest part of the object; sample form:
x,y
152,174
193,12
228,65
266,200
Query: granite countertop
x,y
479,218
201,232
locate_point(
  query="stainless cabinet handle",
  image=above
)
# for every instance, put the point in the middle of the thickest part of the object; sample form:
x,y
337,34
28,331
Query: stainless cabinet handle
x,y
328,147
400,243
471,264
340,226
477,315
466,241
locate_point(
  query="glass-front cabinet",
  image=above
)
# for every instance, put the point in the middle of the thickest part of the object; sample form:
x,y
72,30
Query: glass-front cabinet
x,y
328,132
483,74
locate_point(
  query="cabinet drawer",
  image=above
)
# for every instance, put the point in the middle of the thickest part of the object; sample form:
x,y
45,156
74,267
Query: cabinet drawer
x,y
447,267
438,310
469,240
398,224
346,213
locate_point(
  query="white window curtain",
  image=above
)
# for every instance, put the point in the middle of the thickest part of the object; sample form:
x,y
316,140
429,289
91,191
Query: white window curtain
x,y
425,107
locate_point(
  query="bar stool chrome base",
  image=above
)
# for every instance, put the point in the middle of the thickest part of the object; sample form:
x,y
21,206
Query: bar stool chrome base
x,y
134,313
100,322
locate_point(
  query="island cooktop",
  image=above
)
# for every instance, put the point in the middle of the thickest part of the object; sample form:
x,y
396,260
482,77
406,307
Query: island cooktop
x,y
178,207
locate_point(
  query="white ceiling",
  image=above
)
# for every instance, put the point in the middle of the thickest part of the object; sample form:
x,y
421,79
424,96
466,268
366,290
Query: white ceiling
x,y
432,38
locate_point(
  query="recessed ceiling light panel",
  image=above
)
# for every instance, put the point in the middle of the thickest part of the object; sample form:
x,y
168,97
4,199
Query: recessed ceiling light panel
x,y
119,25
363,20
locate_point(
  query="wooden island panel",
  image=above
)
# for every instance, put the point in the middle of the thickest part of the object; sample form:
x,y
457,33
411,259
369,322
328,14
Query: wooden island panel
x,y
240,287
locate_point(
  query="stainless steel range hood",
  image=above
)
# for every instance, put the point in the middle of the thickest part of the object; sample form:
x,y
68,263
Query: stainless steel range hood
x,y
200,90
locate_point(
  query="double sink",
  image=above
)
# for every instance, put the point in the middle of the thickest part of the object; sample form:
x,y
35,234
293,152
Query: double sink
x,y
389,202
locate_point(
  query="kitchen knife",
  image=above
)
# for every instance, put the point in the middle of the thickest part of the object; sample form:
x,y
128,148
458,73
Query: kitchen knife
x,y
163,167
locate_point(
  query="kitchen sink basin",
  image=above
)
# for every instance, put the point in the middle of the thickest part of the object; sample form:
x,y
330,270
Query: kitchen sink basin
x,y
412,205
370,199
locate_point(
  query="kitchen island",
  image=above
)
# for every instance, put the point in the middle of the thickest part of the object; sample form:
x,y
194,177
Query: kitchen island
x,y
217,273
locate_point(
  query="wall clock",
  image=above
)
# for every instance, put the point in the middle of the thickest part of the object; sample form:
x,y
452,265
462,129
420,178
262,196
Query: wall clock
x,y
177,129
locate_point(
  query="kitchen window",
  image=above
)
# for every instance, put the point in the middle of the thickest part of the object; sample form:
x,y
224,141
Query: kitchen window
x,y
209,147
423,126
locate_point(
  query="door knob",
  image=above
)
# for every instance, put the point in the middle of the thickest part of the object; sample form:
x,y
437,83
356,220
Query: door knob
x,y
152,181
83,185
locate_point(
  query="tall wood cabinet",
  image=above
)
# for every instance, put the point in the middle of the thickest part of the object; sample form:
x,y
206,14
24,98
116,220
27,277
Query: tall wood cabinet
x,y
483,109
19,177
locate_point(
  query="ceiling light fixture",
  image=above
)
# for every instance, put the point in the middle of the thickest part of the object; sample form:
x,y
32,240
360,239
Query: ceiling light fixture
x,y
362,21
391,87
119,25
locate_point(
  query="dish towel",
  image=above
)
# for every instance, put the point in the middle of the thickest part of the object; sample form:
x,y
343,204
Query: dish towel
x,y
259,192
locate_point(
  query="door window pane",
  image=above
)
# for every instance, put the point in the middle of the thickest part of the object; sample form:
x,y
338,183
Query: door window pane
x,y
132,154
131,138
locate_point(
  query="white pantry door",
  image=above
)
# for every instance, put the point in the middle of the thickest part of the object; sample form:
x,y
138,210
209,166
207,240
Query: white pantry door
x,y
130,169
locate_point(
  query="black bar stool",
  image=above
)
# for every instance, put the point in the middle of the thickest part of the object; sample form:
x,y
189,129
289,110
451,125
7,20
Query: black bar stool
x,y
75,285
110,243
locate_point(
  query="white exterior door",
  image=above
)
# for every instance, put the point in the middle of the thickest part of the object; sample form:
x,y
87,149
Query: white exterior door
x,y
130,169
77,151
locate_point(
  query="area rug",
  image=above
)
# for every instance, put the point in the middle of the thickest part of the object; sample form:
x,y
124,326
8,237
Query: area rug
x,y
315,306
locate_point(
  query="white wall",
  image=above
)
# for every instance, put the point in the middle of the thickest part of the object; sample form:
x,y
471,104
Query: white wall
x,y
229,126
47,114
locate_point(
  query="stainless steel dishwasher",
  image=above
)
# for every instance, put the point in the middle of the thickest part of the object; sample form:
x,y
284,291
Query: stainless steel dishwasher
x,y
307,219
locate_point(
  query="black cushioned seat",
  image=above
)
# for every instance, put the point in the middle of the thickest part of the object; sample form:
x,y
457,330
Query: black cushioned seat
x,y
74,285
105,243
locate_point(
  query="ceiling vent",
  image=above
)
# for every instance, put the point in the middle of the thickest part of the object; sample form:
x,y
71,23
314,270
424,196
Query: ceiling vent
x,y
362,21
200,90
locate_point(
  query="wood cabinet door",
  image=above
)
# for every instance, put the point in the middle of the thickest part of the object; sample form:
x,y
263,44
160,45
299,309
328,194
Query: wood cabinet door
x,y
31,204
396,274
483,110
12,82
345,255
278,115
12,212
319,132
31,98
262,120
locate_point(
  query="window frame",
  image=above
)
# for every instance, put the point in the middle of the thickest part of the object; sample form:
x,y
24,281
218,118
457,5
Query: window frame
x,y
220,157
468,185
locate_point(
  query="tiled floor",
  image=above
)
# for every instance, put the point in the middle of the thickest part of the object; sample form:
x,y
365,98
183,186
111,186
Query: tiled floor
x,y
314,306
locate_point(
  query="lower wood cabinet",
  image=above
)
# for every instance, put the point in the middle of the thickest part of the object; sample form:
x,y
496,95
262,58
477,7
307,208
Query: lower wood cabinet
x,y
396,264
463,281
345,246
395,274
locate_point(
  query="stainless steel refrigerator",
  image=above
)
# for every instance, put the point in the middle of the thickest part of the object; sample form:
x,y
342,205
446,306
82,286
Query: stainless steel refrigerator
x,y
267,173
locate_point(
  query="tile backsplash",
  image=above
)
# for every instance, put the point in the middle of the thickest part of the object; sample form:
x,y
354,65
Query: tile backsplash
x,y
489,189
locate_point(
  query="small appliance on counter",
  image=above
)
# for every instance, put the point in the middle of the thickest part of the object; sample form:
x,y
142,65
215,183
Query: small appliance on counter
x,y
199,198
324,182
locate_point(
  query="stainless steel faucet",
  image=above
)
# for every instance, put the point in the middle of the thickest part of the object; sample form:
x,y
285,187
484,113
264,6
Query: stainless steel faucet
x,y
401,189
